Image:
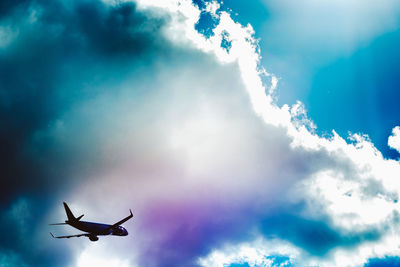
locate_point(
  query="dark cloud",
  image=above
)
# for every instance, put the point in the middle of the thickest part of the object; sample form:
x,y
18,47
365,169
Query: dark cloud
x,y
25,218
60,52
116,31
7,7
65,46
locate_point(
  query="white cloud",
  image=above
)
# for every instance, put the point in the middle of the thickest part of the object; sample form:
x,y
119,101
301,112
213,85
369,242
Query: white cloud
x,y
200,136
260,252
98,255
352,200
212,8
394,139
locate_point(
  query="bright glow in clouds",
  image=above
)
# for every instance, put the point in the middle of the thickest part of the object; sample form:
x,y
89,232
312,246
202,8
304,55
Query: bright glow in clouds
x,y
344,185
95,256
349,200
394,139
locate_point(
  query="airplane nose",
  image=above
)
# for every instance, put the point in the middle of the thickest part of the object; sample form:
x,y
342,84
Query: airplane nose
x,y
125,232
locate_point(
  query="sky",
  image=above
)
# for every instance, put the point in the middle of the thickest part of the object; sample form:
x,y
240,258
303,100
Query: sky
x,y
263,133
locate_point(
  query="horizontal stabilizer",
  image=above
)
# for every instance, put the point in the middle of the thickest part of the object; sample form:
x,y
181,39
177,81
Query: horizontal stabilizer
x,y
79,217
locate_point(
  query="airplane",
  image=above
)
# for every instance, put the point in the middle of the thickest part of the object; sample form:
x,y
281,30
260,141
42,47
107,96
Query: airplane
x,y
92,230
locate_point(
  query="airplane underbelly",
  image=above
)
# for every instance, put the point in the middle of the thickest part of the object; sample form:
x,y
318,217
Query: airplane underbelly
x,y
94,228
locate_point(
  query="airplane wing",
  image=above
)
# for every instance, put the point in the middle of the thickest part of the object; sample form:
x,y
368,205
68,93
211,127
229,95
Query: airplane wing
x,y
120,222
69,236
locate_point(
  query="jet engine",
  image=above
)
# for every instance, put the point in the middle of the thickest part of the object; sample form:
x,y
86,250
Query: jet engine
x,y
93,238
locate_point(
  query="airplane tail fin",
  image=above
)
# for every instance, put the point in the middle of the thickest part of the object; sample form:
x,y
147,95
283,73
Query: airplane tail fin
x,y
71,216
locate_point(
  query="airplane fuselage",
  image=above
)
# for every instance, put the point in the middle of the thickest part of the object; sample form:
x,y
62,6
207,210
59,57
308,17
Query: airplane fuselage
x,y
98,228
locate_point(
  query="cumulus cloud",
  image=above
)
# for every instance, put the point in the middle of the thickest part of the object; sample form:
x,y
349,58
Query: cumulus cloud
x,y
394,139
369,179
146,112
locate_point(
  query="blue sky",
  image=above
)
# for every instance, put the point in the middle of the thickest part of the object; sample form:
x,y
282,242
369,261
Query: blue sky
x,y
325,62
262,133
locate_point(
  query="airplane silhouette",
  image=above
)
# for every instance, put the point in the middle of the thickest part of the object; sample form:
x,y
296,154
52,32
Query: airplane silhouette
x,y
92,229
